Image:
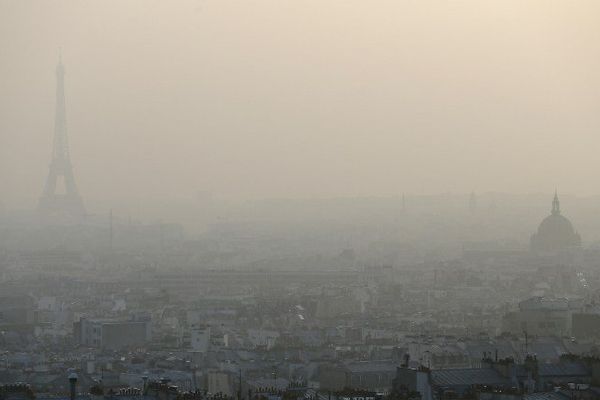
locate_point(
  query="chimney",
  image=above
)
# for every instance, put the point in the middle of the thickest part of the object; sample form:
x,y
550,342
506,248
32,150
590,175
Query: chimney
x,y
145,379
73,384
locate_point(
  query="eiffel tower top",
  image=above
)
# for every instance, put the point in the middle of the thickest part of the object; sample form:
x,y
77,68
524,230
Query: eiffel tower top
x,y
61,143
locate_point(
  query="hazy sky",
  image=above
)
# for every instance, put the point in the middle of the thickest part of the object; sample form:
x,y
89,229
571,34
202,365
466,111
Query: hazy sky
x,y
301,98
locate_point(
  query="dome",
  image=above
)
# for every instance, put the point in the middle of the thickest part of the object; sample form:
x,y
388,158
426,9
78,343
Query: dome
x,y
555,232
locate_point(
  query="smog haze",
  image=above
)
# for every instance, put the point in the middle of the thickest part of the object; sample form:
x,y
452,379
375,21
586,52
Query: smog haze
x,y
301,99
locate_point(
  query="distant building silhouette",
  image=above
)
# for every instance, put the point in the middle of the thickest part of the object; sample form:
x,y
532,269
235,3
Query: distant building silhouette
x,y
555,232
52,202
473,202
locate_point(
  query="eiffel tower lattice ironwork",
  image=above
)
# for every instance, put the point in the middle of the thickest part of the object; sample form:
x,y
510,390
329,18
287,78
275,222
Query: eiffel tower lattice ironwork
x,y
67,202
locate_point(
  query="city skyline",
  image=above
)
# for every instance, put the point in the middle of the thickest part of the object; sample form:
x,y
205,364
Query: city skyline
x,y
299,200
155,122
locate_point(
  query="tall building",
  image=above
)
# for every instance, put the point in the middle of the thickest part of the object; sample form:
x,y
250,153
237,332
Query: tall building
x,y
112,334
555,232
57,201
472,202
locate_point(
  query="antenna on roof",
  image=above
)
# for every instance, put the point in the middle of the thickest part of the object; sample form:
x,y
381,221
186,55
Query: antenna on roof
x,y
240,386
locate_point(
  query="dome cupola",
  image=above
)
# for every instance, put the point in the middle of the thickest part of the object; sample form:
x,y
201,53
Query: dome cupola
x,y
555,232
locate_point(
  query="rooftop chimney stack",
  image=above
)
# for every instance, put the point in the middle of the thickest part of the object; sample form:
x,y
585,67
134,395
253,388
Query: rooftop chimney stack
x,y
73,384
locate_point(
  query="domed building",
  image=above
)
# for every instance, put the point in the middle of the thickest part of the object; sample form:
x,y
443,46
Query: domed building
x,y
555,233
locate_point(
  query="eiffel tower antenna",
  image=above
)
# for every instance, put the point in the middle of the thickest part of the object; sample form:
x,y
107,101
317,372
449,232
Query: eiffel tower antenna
x,y
111,232
52,203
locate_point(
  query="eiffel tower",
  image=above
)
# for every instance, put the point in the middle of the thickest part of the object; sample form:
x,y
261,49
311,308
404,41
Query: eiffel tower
x,y
55,202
